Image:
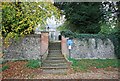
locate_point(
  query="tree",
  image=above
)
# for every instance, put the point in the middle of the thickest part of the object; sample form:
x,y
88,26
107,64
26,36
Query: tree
x,y
118,14
85,16
109,23
20,18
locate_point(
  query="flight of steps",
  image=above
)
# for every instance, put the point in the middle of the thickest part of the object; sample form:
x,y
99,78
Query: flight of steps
x,y
55,62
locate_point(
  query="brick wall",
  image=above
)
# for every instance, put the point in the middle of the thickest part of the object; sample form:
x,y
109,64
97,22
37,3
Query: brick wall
x,y
44,43
64,48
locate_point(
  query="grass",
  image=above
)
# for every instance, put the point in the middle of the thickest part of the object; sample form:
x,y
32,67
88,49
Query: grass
x,y
33,64
86,64
4,61
4,68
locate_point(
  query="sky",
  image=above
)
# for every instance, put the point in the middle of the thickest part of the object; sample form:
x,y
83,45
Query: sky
x,y
52,23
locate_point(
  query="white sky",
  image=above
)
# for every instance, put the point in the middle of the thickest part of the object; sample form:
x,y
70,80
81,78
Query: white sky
x,y
52,23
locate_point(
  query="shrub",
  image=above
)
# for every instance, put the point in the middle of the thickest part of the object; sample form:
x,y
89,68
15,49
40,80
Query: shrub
x,y
33,64
4,68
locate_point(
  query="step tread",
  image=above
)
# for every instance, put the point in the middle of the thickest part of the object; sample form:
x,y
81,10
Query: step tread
x,y
55,58
54,66
46,67
56,63
53,55
54,50
55,71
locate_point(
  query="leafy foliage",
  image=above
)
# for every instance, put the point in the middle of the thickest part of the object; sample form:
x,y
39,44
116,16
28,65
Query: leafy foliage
x,y
85,17
109,18
118,25
118,11
4,68
33,64
69,33
21,18
107,29
109,23
118,17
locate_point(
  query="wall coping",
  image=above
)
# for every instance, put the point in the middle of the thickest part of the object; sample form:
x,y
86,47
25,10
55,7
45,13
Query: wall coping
x,y
44,31
33,35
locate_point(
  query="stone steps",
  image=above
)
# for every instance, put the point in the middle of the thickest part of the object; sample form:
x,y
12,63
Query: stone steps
x,y
54,67
54,51
55,58
55,62
55,71
54,48
53,55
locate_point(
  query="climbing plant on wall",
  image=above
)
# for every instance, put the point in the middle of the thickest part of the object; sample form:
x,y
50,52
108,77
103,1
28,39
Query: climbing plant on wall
x,y
20,18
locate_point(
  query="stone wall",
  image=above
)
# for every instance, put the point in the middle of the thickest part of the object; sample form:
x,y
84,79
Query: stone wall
x,y
30,47
26,48
91,48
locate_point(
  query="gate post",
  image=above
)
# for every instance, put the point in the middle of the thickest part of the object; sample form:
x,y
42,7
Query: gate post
x,y
64,48
44,43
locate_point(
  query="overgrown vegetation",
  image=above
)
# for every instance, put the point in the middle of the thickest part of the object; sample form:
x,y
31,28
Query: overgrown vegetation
x,y
71,34
86,64
90,17
21,18
81,17
99,21
4,68
33,64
